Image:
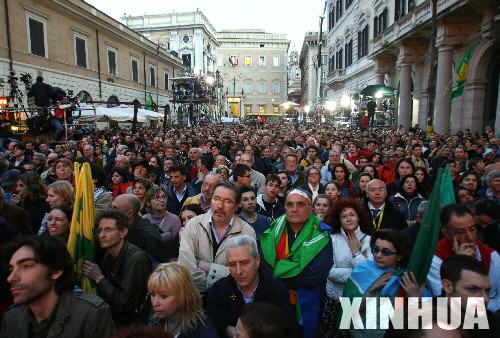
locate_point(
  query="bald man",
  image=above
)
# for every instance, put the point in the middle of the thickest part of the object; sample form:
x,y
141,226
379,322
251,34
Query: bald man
x,y
141,233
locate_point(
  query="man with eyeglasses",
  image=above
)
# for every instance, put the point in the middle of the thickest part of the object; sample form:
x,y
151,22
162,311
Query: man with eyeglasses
x,y
382,214
121,278
242,176
298,252
204,238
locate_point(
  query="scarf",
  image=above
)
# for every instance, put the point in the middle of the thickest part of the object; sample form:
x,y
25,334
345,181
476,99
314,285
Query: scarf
x,y
98,192
288,261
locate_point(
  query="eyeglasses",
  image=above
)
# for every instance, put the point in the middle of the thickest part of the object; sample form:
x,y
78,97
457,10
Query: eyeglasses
x,y
225,202
384,252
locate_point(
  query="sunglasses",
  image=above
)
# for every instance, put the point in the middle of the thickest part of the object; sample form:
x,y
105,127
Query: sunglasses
x,y
384,252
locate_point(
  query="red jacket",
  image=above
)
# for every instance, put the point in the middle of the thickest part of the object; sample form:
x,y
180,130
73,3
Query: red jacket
x,y
120,189
387,173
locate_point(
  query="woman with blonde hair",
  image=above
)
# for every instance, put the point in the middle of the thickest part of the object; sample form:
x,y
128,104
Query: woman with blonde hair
x,y
58,193
177,304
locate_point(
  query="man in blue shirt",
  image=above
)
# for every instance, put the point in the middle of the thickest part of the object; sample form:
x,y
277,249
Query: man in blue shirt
x,y
248,206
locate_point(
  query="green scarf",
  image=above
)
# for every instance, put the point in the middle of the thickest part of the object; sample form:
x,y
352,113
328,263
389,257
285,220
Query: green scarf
x,y
310,241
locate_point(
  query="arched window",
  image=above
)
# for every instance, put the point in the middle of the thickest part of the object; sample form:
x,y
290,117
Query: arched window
x,y
84,96
113,101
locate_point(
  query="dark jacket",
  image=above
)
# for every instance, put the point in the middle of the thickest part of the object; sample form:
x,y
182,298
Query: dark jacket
x,y
124,285
391,219
305,187
202,330
174,205
78,315
41,92
224,300
147,236
17,216
407,208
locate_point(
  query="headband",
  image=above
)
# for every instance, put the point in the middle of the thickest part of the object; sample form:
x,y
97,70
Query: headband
x,y
301,193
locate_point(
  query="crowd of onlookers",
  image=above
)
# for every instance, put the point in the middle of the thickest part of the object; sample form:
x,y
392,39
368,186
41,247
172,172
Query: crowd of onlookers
x,y
241,230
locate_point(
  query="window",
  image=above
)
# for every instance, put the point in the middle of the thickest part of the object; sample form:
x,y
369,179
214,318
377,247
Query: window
x,y
276,109
37,35
380,23
276,61
331,19
339,58
363,42
111,61
248,60
331,64
338,14
399,9
262,87
135,70
248,109
324,59
276,87
348,53
247,87
262,61
262,109
347,4
80,51
152,76
165,79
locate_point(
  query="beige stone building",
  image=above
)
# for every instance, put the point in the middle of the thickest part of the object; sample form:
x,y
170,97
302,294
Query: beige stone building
x,y
188,34
75,46
308,64
253,65
387,42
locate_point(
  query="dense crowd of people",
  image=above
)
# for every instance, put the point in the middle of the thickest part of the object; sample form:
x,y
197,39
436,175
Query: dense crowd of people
x,y
242,230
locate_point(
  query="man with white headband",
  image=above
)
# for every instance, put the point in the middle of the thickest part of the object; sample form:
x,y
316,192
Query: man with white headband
x,y
299,253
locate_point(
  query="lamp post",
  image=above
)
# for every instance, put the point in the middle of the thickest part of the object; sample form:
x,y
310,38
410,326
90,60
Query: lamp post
x,y
217,98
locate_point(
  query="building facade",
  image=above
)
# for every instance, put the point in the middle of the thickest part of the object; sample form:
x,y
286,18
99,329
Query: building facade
x,y
391,46
75,46
188,34
308,62
253,65
294,83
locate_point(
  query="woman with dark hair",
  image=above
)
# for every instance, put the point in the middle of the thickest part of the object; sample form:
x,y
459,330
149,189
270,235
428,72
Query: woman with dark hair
x,y
59,222
425,184
341,175
31,195
189,211
64,170
119,181
156,204
364,178
407,199
404,167
382,276
332,190
370,169
139,189
351,246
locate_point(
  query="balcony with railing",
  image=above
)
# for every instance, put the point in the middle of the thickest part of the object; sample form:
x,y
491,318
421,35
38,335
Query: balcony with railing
x,y
335,77
413,20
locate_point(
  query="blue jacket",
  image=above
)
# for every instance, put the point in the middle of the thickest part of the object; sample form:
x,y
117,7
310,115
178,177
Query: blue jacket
x,y
407,208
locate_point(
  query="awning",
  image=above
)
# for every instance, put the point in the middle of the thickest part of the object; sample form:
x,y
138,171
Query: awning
x,y
378,90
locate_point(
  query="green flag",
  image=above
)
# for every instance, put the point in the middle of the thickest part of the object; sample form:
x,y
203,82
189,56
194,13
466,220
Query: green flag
x,y
149,102
428,234
81,242
461,74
